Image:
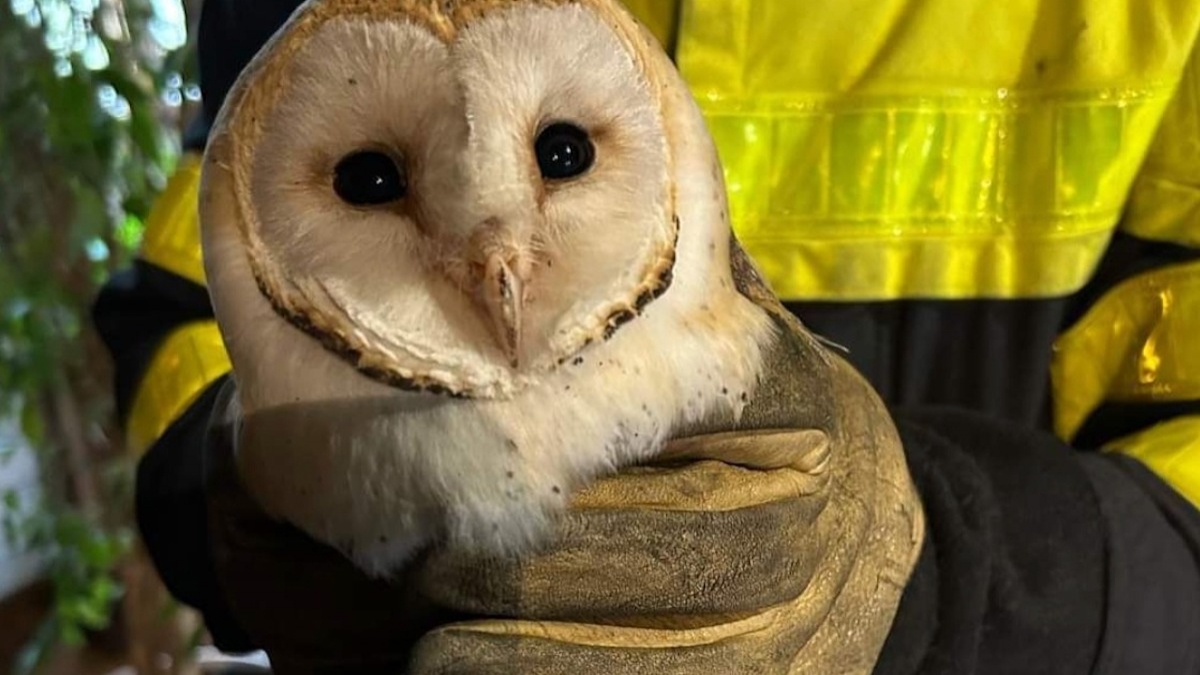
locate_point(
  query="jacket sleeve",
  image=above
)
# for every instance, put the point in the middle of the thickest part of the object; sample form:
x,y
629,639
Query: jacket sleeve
x,y
1040,559
1126,375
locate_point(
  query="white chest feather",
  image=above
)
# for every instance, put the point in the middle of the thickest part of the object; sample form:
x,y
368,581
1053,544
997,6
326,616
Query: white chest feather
x,y
383,477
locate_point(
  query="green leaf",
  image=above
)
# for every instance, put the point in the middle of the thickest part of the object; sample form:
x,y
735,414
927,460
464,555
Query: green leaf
x,y
31,423
71,635
98,553
91,613
105,589
129,232
71,98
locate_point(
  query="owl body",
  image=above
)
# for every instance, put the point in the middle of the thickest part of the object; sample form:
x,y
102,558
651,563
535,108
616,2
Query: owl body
x,y
531,288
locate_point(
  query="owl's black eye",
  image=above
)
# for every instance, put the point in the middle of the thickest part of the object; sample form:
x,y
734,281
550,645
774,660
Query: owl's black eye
x,y
564,151
369,178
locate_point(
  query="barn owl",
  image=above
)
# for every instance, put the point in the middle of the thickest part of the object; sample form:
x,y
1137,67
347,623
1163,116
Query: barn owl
x,y
466,257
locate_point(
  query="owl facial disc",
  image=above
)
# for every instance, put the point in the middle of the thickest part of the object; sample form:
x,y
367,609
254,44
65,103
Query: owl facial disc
x,y
443,207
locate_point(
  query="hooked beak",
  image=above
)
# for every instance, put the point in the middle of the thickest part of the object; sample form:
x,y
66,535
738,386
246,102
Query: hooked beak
x,y
502,294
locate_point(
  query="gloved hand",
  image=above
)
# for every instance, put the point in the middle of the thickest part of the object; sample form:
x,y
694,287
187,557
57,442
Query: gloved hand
x,y
780,545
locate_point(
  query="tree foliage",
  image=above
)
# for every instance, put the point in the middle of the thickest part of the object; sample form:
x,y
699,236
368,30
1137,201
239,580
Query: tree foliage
x,y
92,95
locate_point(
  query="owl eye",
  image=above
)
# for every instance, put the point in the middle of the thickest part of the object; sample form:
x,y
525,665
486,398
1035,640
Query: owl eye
x,y
369,178
564,151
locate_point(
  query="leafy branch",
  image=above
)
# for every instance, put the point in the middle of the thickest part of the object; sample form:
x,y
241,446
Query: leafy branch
x,y
92,98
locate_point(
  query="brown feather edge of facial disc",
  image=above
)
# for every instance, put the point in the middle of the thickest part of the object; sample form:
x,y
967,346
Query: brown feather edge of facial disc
x,y
659,275
656,283
255,94
253,97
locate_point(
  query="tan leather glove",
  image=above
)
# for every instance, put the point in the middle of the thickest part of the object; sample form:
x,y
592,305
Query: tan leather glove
x,y
781,545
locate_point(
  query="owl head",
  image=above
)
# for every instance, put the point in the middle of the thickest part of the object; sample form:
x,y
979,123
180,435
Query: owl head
x,y
455,196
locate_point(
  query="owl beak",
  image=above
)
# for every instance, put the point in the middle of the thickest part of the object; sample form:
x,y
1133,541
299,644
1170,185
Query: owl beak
x,y
503,295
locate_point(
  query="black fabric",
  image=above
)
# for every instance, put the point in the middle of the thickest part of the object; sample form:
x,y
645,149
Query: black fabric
x,y
231,32
172,516
1042,559
1115,420
1015,540
989,356
195,136
135,311
1182,515
1153,618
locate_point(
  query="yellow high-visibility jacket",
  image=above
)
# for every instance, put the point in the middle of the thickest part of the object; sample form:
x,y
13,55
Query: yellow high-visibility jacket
x,y
992,204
